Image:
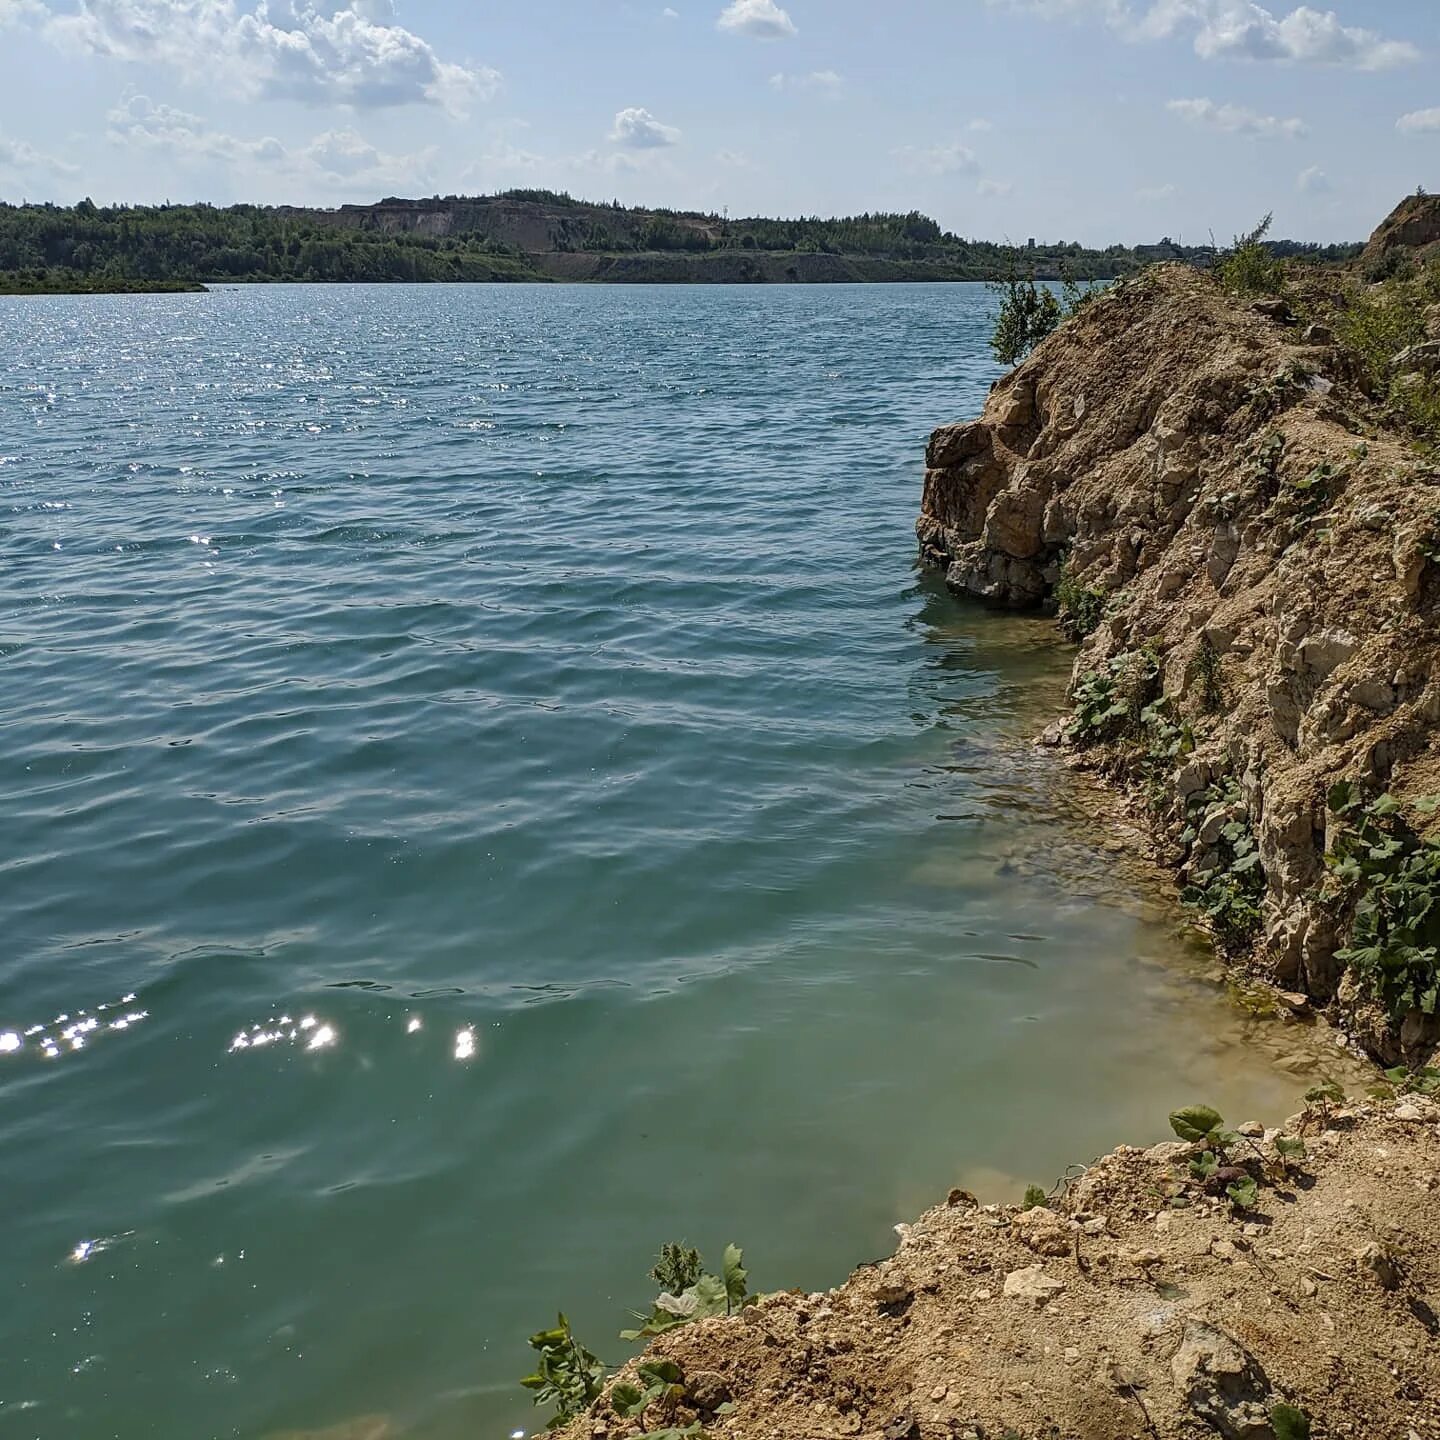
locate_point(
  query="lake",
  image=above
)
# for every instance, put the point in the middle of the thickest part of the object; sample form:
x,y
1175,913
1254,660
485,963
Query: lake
x,y
487,792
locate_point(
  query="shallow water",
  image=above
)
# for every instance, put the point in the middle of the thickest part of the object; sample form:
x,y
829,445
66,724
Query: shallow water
x,y
491,755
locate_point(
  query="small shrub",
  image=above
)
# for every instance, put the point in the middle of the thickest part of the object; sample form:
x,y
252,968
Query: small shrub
x,y
1248,267
1229,892
1206,672
568,1375
1035,1198
1081,608
704,1297
1028,313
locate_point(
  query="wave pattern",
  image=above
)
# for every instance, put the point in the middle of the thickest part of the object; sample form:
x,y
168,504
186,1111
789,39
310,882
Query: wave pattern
x,y
495,740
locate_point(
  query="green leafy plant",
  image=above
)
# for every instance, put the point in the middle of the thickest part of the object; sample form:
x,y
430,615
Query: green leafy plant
x,y
677,1269
660,1383
1227,891
567,1376
1110,702
1390,878
704,1297
1035,1198
1249,267
1320,1101
1288,1423
1201,1125
1028,313
1243,1193
1404,1081
1081,609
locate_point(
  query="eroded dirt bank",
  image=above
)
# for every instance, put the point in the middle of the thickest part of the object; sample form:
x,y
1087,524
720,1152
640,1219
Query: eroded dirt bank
x,y
1134,1304
1205,487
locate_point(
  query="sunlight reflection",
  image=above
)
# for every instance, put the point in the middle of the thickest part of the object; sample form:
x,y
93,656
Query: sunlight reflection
x,y
69,1032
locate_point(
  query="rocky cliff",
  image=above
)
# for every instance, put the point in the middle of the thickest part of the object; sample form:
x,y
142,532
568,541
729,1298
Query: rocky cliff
x,y
1208,485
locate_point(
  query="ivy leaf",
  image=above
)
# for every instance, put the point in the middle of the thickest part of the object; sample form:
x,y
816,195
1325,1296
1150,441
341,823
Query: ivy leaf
x,y
1291,1147
628,1400
1196,1122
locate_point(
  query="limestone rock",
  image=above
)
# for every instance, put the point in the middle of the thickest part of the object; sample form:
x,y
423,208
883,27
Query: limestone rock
x,y
1045,1232
1222,1383
1032,1284
1423,359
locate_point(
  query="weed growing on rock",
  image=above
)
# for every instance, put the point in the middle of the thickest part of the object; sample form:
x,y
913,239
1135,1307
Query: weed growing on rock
x,y
1288,1423
1109,703
1391,879
1205,671
659,1384
1081,608
1248,267
1035,1198
1028,313
568,1375
1280,392
703,1297
1404,1081
1227,881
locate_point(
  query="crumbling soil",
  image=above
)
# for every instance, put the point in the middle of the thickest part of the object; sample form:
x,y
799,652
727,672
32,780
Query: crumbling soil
x,y
1133,1305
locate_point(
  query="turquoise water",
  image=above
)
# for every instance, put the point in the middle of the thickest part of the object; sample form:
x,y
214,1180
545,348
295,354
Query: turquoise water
x,y
486,792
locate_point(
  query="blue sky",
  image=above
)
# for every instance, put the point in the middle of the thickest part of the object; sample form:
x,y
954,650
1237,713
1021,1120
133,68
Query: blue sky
x,y
1093,120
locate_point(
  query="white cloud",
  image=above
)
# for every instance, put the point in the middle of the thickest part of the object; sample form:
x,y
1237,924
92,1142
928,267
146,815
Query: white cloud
x,y
979,126
827,82
14,12
281,50
22,160
944,159
638,129
763,19
669,13
1418,122
1313,181
330,159
1237,30
994,189
1158,192
1237,120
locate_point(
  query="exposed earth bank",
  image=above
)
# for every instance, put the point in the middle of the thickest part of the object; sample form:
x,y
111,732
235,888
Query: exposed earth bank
x,y
1205,486
1133,1305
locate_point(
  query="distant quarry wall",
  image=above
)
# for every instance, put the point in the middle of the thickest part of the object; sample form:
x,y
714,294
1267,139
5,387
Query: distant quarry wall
x,y
1203,487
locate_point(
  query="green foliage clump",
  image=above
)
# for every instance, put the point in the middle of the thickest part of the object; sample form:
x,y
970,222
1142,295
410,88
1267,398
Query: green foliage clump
x,y
702,1297
1110,702
1028,313
1035,1198
1390,877
1289,1423
1249,267
1379,322
568,1375
1404,1081
1228,891
1081,609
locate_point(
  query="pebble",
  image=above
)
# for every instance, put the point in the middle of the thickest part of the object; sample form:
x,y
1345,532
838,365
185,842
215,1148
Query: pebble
x,y
1072,1354
1410,1114
1251,1130
939,1393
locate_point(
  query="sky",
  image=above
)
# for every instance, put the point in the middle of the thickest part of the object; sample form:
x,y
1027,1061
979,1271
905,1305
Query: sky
x,y
1100,121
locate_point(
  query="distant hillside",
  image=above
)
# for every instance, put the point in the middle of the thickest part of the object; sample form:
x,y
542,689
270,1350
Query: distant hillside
x,y
520,235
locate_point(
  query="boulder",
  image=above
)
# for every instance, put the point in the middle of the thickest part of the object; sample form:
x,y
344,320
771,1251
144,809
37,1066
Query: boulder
x,y
1222,1383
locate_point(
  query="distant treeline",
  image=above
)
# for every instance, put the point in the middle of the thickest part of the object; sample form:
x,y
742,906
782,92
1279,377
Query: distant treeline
x,y
89,247
112,246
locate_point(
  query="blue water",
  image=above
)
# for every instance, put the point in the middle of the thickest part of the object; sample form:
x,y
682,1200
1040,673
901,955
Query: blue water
x,y
486,791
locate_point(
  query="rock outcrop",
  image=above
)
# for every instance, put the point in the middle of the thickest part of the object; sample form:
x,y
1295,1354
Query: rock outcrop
x,y
1263,558
1411,231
